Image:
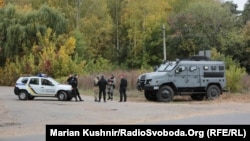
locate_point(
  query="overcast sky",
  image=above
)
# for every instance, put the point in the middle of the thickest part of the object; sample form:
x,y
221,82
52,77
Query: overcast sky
x,y
240,3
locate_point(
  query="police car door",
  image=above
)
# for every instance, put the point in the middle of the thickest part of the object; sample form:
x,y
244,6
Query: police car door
x,y
34,86
180,78
48,88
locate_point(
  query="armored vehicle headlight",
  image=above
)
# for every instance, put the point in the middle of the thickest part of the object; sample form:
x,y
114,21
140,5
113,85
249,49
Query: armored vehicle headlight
x,y
148,81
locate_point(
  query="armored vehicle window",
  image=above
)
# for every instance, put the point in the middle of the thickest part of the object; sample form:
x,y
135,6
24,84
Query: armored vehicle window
x,y
162,67
221,67
205,67
180,69
171,66
167,67
192,68
213,67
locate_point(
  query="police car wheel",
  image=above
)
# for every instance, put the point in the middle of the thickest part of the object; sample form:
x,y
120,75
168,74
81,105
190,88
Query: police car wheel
x,y
69,98
31,97
23,95
62,96
165,94
213,92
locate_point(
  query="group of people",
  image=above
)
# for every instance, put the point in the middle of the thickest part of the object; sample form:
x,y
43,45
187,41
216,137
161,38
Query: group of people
x,y
101,84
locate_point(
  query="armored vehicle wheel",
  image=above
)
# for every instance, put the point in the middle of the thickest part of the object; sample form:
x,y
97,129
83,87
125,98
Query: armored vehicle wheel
x,y
62,96
150,95
198,97
165,94
213,92
23,95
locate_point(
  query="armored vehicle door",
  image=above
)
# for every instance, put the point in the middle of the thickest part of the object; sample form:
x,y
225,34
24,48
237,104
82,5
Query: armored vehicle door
x,y
180,79
194,76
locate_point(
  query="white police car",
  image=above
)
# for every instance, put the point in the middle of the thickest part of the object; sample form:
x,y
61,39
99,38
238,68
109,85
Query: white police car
x,y
27,88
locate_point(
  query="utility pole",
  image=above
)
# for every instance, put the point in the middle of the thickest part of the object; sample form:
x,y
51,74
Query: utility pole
x,y
164,42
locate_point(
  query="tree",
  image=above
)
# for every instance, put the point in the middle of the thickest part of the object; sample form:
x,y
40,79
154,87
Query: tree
x,y
18,30
246,12
142,20
96,30
200,26
1,3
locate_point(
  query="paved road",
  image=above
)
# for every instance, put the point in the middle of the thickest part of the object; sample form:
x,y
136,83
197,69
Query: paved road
x,y
26,120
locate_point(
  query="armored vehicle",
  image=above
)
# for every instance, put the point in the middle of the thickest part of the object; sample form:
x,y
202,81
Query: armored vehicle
x,y
198,77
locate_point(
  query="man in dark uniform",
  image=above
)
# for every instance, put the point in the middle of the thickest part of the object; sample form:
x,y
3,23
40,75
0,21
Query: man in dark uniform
x,y
102,88
122,89
74,84
69,79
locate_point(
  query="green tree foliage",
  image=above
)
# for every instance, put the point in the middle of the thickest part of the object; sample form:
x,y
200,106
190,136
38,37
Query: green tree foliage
x,y
231,6
99,65
45,57
142,19
18,29
234,76
246,12
96,27
57,61
234,72
198,26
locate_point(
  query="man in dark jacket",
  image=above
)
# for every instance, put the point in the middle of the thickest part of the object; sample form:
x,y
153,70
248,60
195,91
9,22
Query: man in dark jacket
x,y
74,84
102,83
123,88
69,79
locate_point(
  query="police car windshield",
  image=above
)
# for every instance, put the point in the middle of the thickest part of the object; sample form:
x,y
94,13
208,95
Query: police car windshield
x,y
167,66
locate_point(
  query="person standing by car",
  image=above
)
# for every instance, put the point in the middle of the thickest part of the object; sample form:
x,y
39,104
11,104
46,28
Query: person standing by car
x,y
95,89
102,83
74,84
69,79
111,87
123,88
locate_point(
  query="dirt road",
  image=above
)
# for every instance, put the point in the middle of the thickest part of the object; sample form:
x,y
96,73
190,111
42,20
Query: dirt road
x,y
20,118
